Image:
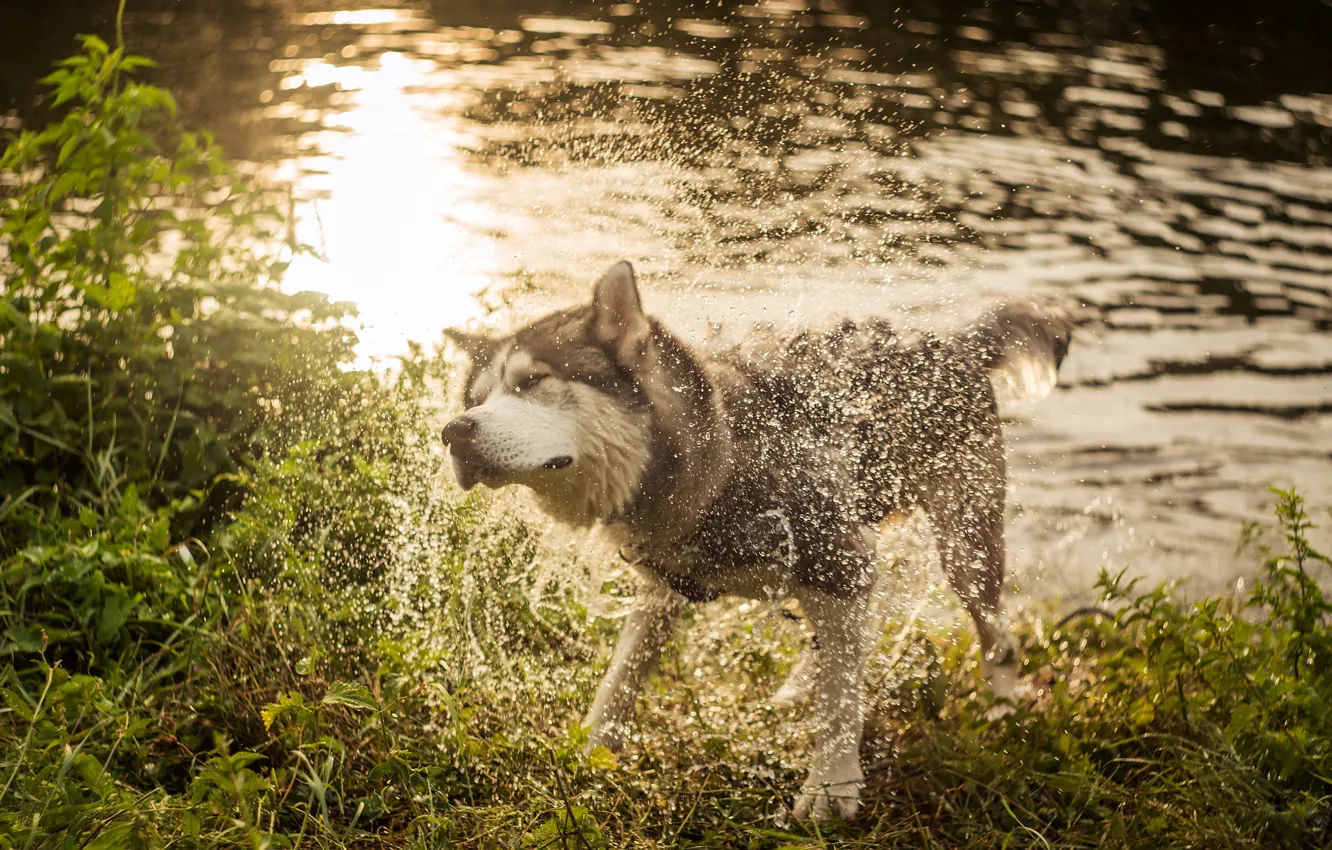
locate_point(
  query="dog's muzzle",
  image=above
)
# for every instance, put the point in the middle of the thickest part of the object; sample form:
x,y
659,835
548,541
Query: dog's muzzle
x,y
468,466
472,467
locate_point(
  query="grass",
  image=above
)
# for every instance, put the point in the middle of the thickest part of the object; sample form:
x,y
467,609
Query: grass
x,y
239,609
285,712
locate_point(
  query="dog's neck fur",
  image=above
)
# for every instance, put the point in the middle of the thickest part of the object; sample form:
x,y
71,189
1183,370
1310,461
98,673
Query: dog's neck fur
x,y
618,444
692,456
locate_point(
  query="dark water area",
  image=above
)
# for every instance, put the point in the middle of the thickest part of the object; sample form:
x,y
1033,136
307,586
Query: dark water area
x,y
1164,164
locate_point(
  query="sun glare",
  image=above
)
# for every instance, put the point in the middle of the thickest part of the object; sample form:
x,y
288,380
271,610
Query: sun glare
x,y
387,198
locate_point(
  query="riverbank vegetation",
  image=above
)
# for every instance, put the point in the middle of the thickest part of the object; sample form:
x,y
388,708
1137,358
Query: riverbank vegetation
x,y
239,608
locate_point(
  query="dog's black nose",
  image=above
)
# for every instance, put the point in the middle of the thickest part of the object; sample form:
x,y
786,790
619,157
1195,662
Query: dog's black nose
x,y
558,462
459,430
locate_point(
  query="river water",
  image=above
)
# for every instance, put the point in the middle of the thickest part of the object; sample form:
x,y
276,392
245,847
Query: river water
x,y
793,160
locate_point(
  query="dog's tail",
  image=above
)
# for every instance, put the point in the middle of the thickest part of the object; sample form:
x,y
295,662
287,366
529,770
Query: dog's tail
x,y
1021,343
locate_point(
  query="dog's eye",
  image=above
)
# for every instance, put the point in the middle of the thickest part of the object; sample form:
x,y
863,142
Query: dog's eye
x,y
528,383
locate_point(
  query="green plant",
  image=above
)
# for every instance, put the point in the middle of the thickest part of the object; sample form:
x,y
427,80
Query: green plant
x,y
143,339
1202,724
98,586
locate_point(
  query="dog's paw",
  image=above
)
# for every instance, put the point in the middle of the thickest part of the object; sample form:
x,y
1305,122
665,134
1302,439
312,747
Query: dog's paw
x,y
1005,685
830,795
1001,667
1000,680
798,685
608,735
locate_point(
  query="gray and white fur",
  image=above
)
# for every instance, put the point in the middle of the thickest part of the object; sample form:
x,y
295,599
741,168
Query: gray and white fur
x,y
765,472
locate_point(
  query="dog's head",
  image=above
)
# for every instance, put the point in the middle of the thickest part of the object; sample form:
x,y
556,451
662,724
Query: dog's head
x,y
564,405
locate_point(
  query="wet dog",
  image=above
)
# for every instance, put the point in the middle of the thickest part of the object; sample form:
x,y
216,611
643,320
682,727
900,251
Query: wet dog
x,y
762,472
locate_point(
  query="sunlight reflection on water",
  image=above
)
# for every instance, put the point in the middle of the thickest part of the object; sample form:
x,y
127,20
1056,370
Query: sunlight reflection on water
x,y
392,206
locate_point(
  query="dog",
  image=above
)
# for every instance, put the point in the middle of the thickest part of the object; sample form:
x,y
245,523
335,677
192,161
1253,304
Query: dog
x,y
763,471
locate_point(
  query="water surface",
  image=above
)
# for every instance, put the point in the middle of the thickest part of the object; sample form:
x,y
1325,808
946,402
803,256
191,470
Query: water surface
x,y
793,160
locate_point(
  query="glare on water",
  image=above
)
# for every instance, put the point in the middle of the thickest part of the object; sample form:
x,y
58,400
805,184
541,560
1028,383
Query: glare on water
x,y
389,202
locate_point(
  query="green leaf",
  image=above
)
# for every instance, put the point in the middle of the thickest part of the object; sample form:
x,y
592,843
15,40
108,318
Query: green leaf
x,y
94,43
67,91
7,415
130,63
130,506
123,292
154,96
288,702
62,186
21,640
56,381
573,828
68,148
191,824
1240,720
17,705
352,695
245,758
601,758
98,293
115,611
112,837
385,768
11,314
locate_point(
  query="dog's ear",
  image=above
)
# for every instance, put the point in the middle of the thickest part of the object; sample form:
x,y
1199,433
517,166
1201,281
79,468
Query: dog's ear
x,y
475,346
619,322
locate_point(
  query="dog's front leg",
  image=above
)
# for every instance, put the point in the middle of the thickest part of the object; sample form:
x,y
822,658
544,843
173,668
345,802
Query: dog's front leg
x,y
835,777
642,639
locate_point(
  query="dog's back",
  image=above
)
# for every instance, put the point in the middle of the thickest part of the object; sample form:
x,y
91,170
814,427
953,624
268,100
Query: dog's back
x,y
905,415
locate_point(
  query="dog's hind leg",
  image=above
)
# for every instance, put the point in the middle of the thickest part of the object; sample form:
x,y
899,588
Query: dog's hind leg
x,y
646,629
835,777
800,682
970,536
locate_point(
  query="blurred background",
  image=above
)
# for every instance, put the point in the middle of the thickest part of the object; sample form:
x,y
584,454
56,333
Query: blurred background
x,y
1162,163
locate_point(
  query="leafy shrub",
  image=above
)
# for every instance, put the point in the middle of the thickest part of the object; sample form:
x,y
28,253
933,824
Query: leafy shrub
x,y
1169,724
96,586
143,339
